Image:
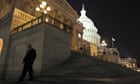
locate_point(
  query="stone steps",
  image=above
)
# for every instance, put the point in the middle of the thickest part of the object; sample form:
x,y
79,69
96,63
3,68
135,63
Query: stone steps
x,y
77,70
86,66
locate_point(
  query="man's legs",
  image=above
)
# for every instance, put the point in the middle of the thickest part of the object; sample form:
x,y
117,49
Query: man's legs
x,y
24,71
31,72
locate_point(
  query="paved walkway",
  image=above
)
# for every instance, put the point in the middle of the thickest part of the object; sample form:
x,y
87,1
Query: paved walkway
x,y
135,79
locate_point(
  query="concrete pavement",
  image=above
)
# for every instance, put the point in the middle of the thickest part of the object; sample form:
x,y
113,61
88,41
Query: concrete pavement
x,y
133,79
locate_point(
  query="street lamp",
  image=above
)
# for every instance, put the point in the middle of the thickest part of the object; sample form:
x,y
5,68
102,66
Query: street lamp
x,y
44,9
104,44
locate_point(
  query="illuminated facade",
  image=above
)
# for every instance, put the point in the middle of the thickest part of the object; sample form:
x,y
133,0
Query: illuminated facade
x,y
53,35
109,54
129,63
112,55
89,32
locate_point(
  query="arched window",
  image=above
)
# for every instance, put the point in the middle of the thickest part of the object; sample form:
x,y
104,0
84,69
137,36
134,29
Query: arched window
x,y
1,45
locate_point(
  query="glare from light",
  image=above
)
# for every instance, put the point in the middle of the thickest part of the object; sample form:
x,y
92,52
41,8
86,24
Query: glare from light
x,y
138,70
130,58
37,9
79,35
44,3
42,6
45,12
48,8
47,19
103,41
104,44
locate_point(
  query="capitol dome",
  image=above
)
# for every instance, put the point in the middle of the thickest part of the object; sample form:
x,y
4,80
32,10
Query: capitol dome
x,y
90,31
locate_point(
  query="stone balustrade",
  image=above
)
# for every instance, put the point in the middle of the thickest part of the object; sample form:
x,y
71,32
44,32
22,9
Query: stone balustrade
x,y
43,18
24,16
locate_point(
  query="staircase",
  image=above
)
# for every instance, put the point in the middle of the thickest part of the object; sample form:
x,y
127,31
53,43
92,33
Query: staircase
x,y
86,66
81,70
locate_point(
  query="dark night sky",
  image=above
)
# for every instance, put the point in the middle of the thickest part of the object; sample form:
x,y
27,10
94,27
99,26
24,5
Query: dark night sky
x,y
115,18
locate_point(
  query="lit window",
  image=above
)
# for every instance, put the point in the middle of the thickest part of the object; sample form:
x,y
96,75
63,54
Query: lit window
x,y
61,26
79,35
1,45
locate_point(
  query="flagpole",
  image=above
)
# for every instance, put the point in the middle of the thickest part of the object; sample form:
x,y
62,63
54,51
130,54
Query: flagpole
x,y
113,42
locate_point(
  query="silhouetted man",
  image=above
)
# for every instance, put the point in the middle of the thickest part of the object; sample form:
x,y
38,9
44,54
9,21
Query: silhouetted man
x,y
28,62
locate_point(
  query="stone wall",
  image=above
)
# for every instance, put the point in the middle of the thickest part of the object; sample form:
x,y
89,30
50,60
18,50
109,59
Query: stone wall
x,y
57,45
52,46
4,35
18,48
5,7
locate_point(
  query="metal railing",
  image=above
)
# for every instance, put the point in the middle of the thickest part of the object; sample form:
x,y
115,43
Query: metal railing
x,y
43,18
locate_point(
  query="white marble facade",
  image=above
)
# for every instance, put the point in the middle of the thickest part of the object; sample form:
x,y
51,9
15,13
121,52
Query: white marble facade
x,y
90,31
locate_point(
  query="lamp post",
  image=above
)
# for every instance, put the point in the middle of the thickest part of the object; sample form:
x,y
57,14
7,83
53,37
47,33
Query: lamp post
x,y
104,45
113,40
43,8
84,49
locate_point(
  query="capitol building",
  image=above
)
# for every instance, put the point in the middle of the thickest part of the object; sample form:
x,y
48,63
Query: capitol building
x,y
90,32
55,30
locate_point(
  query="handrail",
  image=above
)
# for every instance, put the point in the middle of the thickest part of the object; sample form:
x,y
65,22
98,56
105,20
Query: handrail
x,y
43,18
